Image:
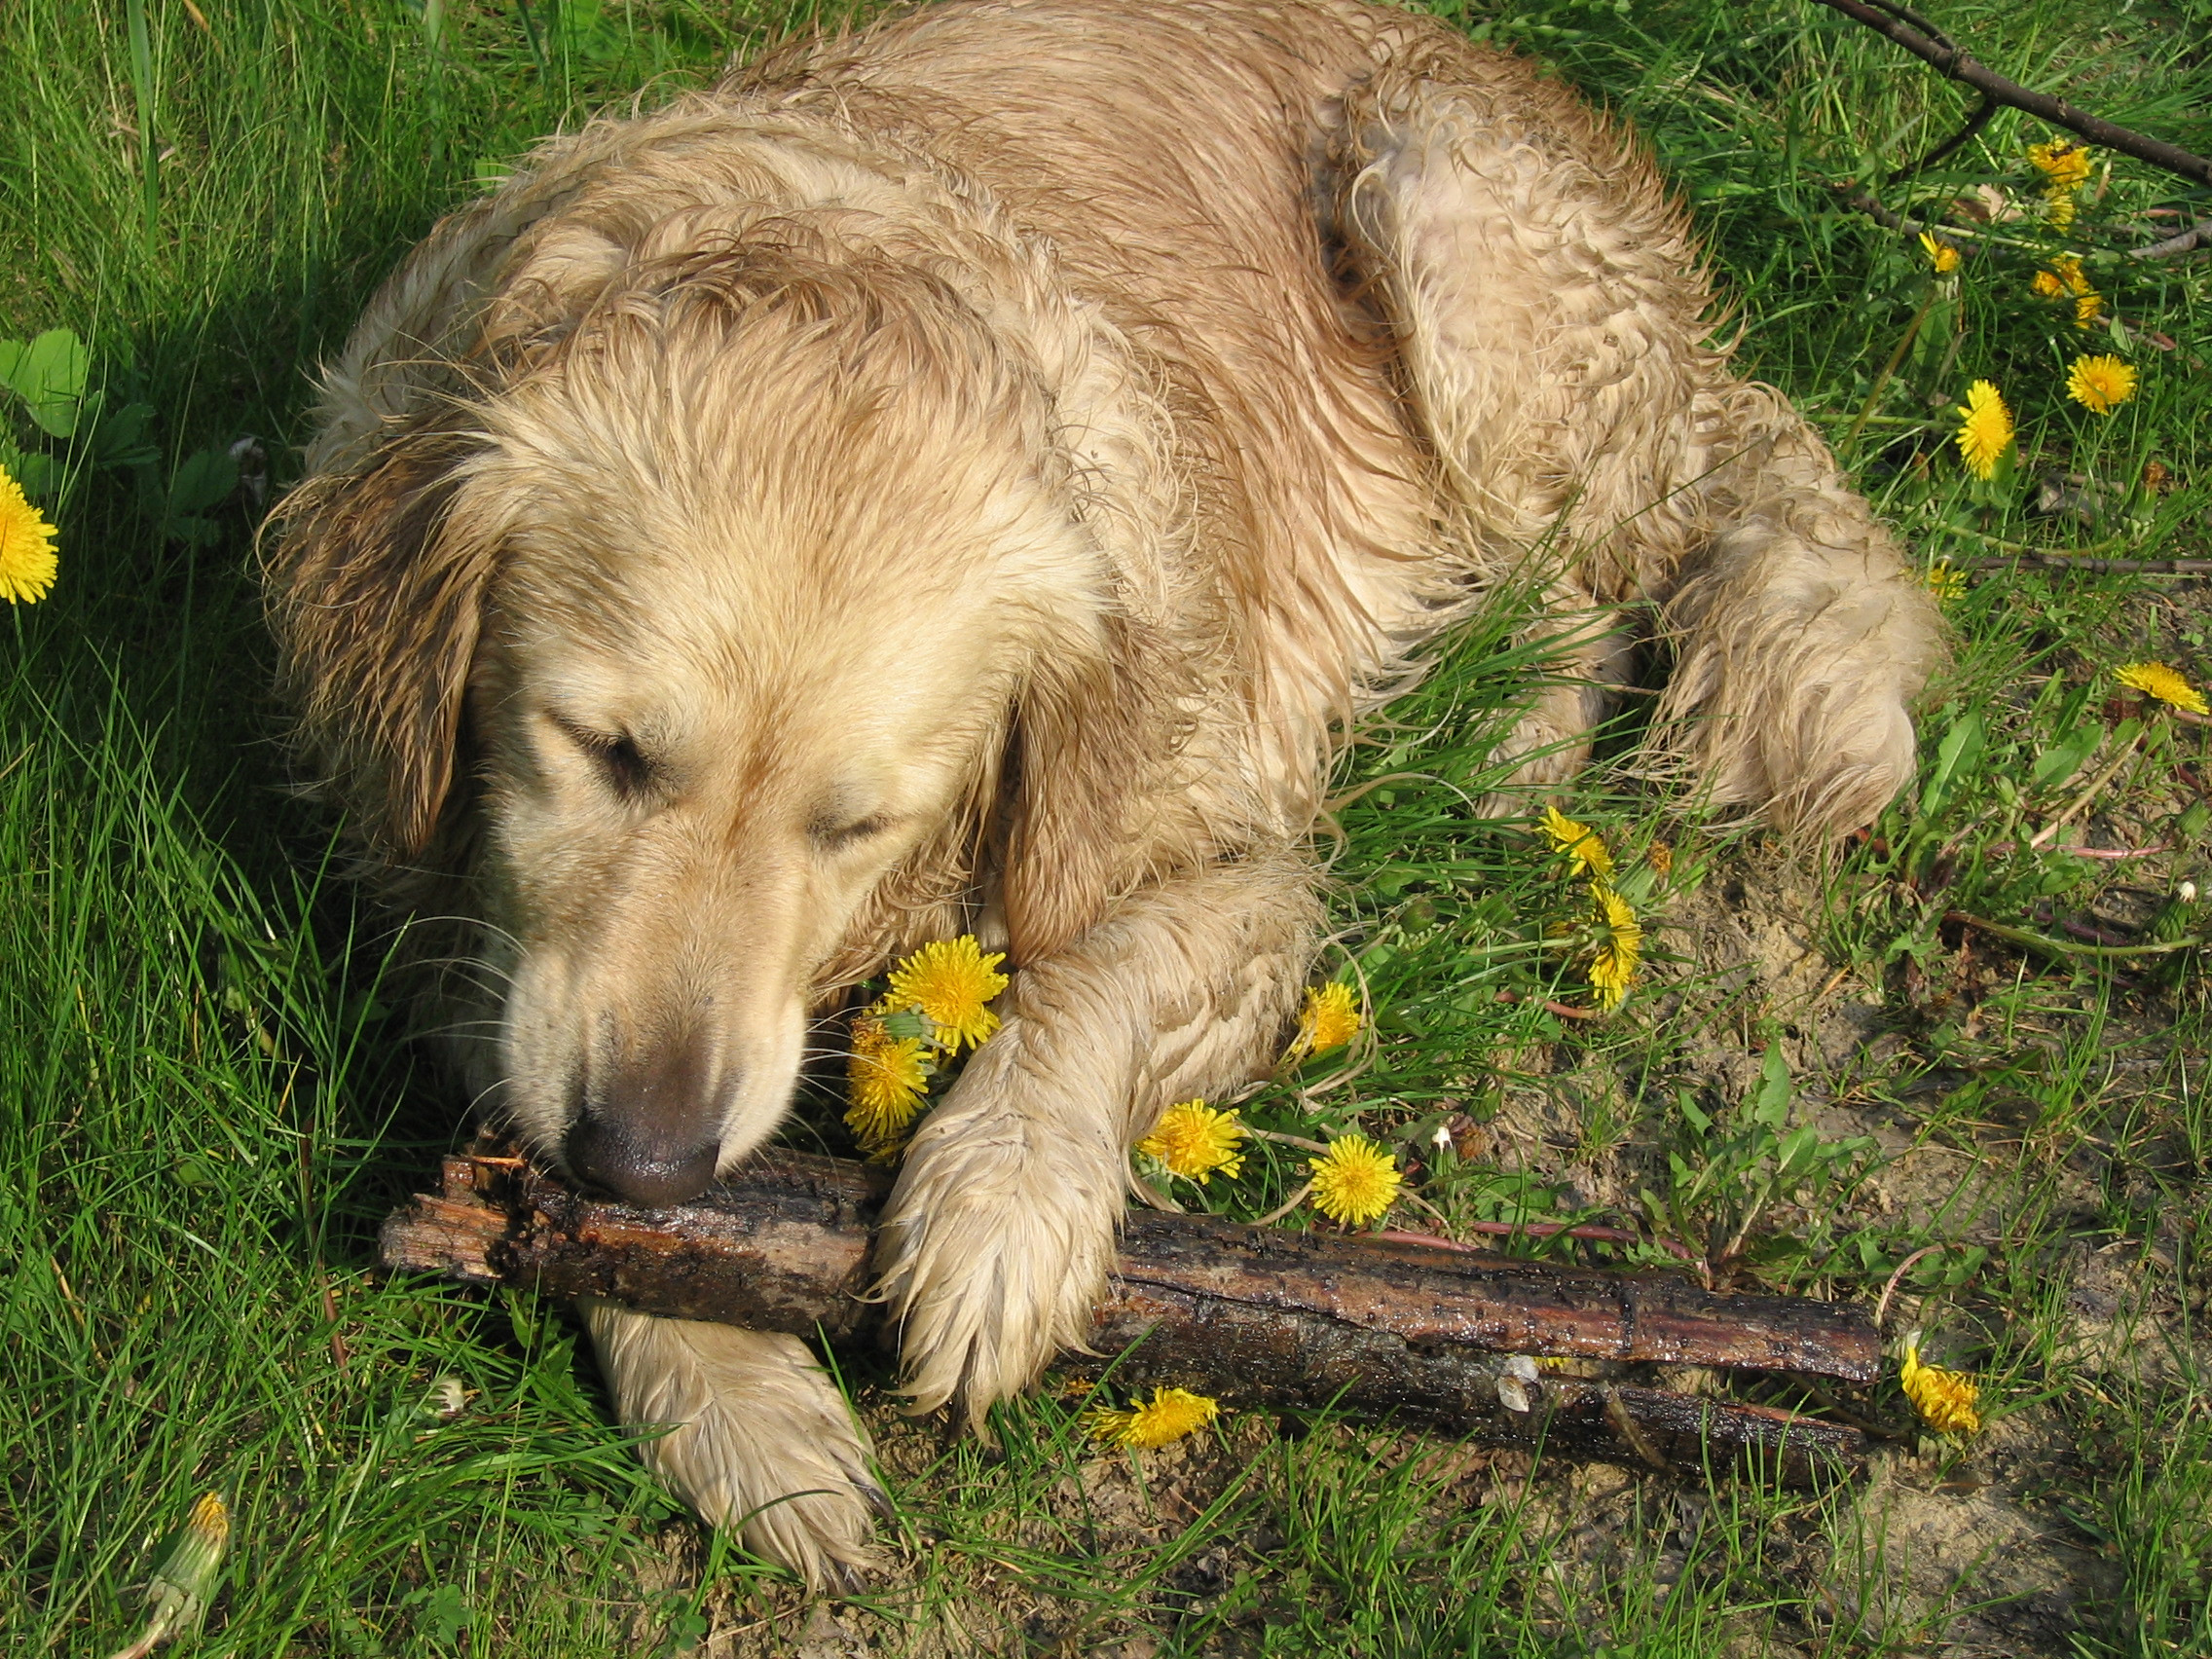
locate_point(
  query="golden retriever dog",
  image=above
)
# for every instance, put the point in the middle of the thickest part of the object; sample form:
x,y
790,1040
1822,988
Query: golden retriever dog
x,y
969,476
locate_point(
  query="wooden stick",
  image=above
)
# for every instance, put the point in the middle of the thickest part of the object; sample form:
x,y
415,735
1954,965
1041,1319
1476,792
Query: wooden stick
x,y
1260,1316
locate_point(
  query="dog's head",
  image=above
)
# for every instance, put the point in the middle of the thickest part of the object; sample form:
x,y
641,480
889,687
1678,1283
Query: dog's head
x,y
736,582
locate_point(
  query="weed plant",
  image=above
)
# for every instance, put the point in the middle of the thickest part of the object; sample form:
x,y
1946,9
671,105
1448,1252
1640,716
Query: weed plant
x,y
208,1105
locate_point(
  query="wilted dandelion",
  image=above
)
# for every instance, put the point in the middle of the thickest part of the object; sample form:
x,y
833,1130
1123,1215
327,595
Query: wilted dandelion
x,y
1620,945
1355,1181
2167,685
1941,254
1985,429
1168,1415
1947,1400
1330,1019
2100,385
27,562
1579,842
184,1583
949,981
1193,1140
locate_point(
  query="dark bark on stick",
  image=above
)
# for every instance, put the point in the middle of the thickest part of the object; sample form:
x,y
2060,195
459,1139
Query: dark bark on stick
x,y
1263,1318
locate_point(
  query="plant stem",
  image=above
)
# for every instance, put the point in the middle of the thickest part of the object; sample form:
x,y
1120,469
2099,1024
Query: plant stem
x,y
2060,947
1882,380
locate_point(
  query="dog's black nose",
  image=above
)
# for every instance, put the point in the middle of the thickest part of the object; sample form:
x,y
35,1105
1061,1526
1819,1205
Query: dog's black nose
x,y
645,1171
652,1132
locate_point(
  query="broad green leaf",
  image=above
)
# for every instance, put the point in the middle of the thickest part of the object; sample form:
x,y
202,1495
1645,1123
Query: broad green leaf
x,y
2063,758
49,375
1955,756
203,479
1770,1104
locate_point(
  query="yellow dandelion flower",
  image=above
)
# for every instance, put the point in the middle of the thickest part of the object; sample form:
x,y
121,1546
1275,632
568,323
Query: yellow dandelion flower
x,y
2066,277
1168,1415
1579,842
949,980
1354,1181
1945,583
26,546
1949,1400
2065,169
2064,162
885,1078
1941,254
1330,1019
1985,429
1193,1140
1620,947
2167,685
2100,385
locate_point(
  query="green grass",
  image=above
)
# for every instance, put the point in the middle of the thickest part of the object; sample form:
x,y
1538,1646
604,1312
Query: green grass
x,y
209,1108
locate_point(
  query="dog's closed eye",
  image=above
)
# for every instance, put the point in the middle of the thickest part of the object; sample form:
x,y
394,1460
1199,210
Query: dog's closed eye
x,y
834,834
625,768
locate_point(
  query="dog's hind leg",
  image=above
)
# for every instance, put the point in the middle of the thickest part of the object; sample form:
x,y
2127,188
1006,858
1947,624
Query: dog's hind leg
x,y
762,1442
997,1241
1550,307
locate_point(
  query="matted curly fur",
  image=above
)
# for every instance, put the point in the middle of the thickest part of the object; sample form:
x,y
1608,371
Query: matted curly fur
x,y
968,476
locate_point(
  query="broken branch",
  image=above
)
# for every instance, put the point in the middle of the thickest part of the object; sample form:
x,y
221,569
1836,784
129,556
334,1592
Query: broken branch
x,y
1918,36
1268,1318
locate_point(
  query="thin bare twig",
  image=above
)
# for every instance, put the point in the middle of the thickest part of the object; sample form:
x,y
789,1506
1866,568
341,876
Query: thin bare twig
x,y
2061,561
1566,1010
1908,28
1975,123
1882,1307
2195,237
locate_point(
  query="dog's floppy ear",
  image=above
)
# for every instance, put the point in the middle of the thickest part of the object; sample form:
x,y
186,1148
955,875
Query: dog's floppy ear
x,y
376,599
1093,741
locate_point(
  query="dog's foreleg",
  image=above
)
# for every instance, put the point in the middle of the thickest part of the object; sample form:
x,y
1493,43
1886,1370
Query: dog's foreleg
x,y
1551,309
1801,635
999,1237
762,1442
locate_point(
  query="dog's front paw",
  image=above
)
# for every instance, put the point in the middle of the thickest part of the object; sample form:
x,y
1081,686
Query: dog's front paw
x,y
765,1442
997,1241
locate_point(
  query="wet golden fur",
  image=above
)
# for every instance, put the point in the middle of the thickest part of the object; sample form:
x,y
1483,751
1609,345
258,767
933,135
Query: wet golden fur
x,y
967,477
